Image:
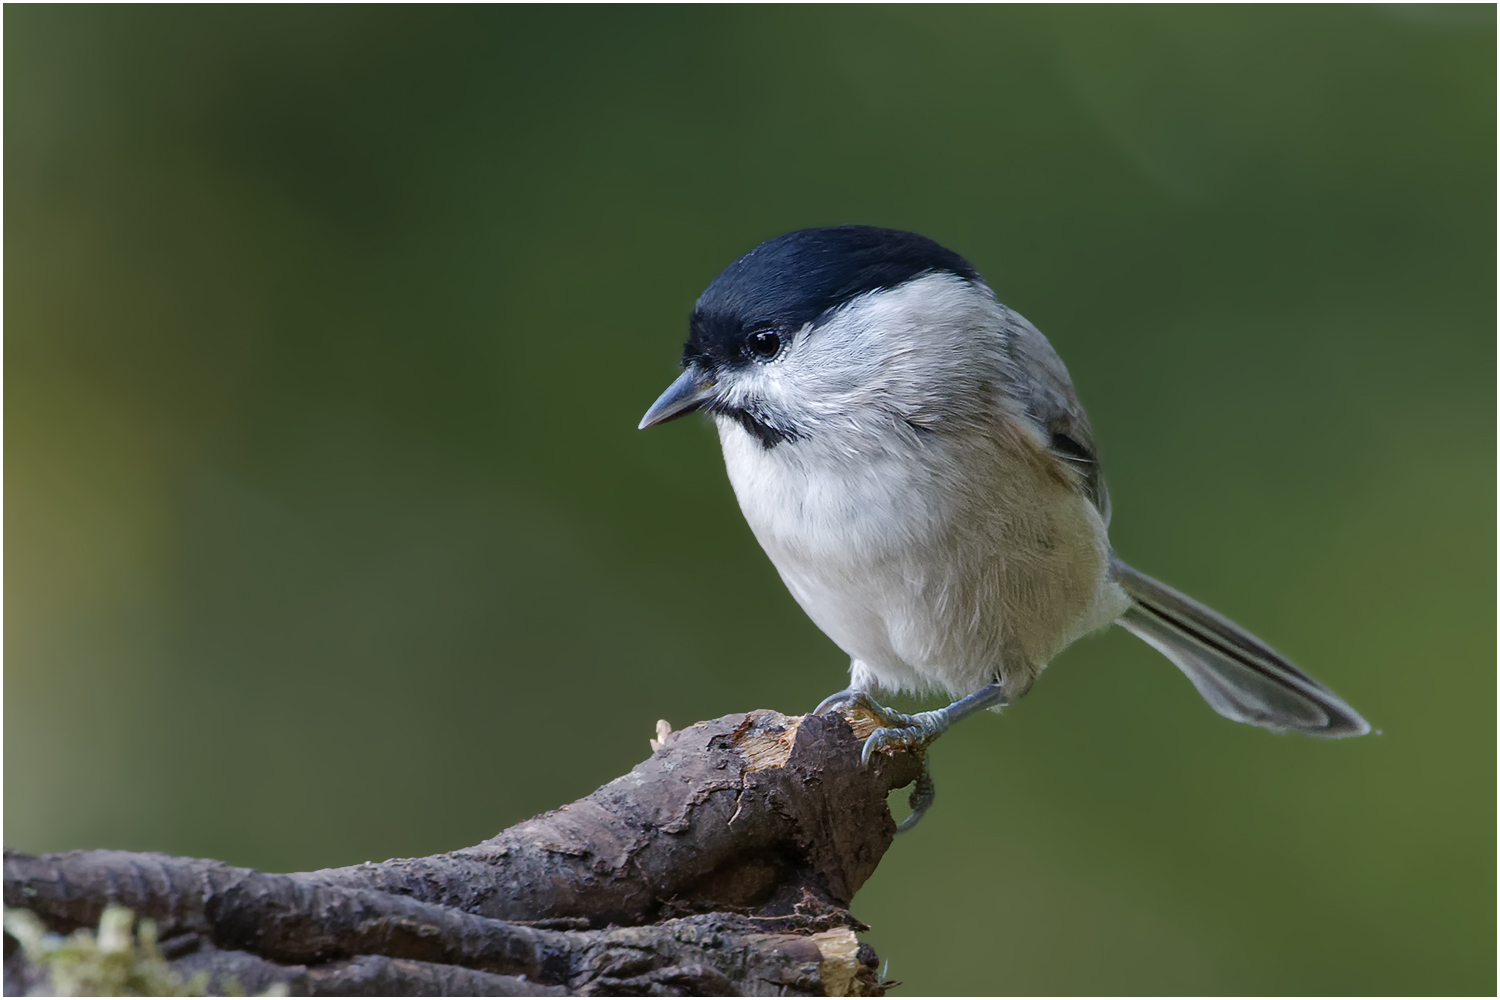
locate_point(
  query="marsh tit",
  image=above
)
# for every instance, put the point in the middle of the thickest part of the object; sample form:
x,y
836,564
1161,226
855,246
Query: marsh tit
x,y
913,458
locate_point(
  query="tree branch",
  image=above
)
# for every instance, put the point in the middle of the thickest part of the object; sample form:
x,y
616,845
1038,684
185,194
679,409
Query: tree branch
x,y
725,863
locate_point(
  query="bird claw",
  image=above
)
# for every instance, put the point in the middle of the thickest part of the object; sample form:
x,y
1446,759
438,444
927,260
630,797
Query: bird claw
x,y
926,727
912,732
899,731
896,738
839,699
852,700
923,791
843,701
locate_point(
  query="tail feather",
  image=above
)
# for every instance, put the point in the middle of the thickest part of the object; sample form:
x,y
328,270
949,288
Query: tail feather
x,y
1240,676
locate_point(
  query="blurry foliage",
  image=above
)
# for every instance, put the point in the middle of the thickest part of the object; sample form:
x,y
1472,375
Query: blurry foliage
x,y
112,963
327,331
115,962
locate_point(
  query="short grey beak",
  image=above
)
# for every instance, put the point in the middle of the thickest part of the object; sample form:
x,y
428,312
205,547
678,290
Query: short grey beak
x,y
691,390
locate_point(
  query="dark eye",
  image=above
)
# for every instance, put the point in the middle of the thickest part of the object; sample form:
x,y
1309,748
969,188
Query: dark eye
x,y
764,344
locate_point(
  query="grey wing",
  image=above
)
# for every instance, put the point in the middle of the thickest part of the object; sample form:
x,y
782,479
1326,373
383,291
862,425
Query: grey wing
x,y
1040,381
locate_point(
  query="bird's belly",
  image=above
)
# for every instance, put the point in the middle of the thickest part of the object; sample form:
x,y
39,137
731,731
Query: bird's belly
x,y
928,588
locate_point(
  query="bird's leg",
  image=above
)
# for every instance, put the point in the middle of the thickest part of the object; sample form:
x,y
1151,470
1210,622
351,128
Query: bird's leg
x,y
912,732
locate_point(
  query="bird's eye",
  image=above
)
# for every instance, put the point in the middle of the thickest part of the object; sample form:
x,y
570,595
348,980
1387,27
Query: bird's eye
x,y
764,344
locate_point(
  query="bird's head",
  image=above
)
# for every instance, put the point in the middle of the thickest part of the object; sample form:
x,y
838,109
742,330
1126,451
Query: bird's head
x,y
825,327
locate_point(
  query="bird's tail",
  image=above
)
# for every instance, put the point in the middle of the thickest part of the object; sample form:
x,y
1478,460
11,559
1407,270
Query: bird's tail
x,y
1240,676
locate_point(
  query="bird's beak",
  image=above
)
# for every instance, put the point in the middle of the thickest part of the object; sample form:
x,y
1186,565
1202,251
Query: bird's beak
x,y
691,390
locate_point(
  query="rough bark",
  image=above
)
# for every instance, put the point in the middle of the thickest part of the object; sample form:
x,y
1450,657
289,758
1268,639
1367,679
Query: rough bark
x,y
724,864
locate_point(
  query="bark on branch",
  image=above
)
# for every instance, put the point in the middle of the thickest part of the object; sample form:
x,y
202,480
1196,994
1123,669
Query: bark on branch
x,y
724,864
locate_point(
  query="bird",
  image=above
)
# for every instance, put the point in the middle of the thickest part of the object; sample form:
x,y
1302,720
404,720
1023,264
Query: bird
x,y
914,460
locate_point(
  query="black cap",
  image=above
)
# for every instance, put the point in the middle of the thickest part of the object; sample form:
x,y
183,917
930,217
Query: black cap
x,y
792,280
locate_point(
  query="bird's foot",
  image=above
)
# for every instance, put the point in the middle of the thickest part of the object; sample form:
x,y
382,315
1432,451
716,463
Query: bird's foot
x,y
899,731
856,702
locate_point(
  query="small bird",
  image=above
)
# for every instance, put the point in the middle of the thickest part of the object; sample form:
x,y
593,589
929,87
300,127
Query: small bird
x,y
913,458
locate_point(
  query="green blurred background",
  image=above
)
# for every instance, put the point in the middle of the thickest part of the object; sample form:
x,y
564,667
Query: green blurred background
x,y
330,536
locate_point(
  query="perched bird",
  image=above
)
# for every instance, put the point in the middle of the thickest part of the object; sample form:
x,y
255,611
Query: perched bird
x,y
913,458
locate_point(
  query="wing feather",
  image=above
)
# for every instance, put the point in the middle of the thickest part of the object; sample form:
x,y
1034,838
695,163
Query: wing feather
x,y
1040,382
